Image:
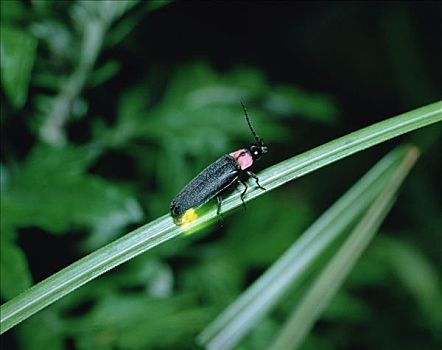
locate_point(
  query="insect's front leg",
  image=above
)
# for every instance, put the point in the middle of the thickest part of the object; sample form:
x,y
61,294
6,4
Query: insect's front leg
x,y
256,179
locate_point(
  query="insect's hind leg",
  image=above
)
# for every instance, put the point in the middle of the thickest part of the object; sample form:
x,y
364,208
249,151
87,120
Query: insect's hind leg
x,y
243,194
256,179
218,210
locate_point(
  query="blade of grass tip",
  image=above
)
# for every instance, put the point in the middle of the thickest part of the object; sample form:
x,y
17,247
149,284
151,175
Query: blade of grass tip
x,y
331,278
337,149
162,229
227,330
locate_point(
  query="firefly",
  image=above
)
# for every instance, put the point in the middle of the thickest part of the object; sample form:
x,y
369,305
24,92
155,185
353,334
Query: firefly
x,y
219,176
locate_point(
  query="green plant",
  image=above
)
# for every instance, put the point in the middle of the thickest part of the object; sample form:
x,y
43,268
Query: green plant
x,y
163,228
106,114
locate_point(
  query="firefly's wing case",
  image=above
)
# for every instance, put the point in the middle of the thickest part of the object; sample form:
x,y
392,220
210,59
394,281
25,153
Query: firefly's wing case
x,y
206,185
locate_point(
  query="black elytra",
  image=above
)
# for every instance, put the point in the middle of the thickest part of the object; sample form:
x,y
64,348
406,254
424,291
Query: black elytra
x,y
219,176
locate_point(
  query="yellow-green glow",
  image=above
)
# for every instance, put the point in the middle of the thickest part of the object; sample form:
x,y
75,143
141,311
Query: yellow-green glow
x,y
188,217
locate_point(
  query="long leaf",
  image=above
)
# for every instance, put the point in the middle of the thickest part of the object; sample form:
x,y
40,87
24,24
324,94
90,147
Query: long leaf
x,y
328,282
163,228
234,323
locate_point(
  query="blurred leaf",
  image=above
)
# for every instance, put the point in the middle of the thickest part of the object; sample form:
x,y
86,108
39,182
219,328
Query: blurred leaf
x,y
346,308
286,226
195,92
47,81
138,322
4,177
146,275
371,270
260,339
92,20
188,78
15,275
131,113
12,11
180,126
62,44
44,331
130,20
79,108
154,276
290,100
318,343
326,285
227,89
416,273
215,278
104,73
52,191
155,5
17,57
106,11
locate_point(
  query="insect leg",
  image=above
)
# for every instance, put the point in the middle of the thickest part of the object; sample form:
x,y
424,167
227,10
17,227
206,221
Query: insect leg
x,y
218,210
256,179
243,193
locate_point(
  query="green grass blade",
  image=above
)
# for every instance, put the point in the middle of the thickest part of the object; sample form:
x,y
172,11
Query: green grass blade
x,y
86,269
162,229
331,278
229,328
345,146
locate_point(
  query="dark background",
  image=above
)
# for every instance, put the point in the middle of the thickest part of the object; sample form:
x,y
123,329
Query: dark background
x,y
134,137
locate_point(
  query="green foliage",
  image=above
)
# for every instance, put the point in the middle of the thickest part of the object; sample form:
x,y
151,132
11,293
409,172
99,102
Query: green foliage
x,y
109,107
164,228
378,185
42,332
419,278
15,275
121,322
86,200
326,285
17,54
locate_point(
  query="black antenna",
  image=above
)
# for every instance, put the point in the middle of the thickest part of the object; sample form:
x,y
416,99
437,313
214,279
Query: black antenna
x,y
258,139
